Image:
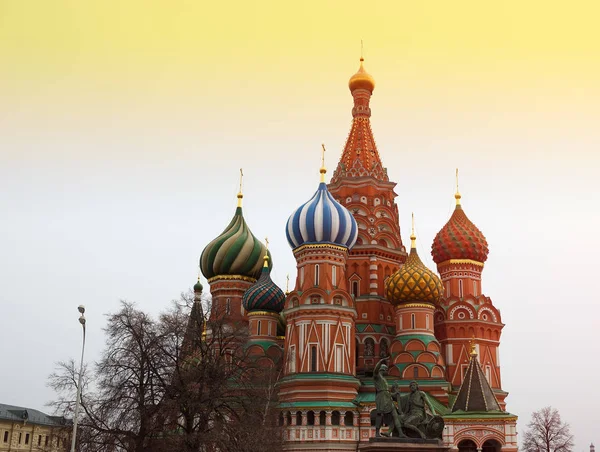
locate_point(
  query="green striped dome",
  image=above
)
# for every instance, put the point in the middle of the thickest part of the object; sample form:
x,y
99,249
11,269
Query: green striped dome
x,y
235,252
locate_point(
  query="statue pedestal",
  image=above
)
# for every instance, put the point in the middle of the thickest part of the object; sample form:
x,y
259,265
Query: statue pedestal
x,y
402,445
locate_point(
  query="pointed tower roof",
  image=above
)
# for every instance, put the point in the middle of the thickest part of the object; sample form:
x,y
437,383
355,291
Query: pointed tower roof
x,y
360,157
475,393
195,326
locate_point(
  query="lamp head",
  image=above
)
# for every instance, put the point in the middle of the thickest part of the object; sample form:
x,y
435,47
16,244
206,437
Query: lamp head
x,y
81,308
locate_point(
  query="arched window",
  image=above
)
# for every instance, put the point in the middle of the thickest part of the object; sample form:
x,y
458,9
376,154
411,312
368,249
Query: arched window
x,y
349,419
301,276
447,294
383,348
460,288
355,288
369,347
335,418
313,358
475,288
427,321
334,275
298,417
228,306
289,418
467,446
316,274
322,418
258,328
415,372
413,321
310,418
491,445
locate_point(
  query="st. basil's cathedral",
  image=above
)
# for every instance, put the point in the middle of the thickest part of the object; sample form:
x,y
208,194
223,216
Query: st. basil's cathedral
x,y
360,296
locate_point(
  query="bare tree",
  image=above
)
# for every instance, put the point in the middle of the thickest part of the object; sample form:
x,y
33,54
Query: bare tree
x,y
217,392
183,382
121,407
547,433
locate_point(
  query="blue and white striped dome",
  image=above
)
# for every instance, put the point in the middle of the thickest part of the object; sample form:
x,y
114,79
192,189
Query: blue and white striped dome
x,y
322,220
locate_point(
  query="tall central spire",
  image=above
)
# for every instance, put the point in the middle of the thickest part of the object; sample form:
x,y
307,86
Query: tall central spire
x,y
360,157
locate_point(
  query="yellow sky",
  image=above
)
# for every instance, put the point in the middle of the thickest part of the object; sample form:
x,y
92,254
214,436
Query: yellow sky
x,y
218,40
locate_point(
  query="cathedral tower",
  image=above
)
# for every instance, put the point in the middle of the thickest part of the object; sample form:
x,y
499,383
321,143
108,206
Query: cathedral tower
x,y
414,290
460,251
231,263
319,385
264,302
361,184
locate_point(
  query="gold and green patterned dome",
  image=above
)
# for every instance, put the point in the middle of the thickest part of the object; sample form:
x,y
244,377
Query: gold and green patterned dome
x,y
413,282
235,252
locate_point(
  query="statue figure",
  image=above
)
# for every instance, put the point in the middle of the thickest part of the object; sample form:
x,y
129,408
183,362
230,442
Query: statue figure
x,y
409,416
412,407
384,403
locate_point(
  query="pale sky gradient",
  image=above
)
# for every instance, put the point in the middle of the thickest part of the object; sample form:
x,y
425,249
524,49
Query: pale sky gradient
x,y
123,126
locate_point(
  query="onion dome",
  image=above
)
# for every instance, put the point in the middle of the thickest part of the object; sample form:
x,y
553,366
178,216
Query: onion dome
x,y
264,295
459,239
198,286
235,252
362,79
413,282
322,220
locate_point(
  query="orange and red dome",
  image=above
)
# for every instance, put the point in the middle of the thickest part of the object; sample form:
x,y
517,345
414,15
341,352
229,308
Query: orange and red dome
x,y
459,239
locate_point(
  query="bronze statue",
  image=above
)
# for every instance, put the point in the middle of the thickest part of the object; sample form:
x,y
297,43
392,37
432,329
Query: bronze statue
x,y
409,414
413,409
384,403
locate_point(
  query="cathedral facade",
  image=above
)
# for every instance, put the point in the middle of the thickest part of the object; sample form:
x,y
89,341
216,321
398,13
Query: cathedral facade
x,y
360,296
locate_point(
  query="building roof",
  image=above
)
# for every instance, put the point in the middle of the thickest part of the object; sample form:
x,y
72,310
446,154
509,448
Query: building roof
x,y
360,157
475,393
21,414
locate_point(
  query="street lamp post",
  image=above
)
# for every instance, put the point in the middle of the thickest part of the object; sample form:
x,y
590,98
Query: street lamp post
x,y
81,309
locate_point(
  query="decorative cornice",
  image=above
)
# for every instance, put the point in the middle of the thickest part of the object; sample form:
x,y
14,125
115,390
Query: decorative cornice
x,y
265,313
414,305
320,246
461,261
229,277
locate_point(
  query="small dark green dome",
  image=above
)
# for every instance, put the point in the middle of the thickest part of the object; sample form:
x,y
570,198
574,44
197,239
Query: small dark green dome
x,y
234,252
264,295
198,287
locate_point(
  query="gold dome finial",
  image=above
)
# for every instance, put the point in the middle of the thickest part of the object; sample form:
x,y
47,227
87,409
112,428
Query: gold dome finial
x,y
413,237
240,195
362,79
266,258
457,194
323,170
473,352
